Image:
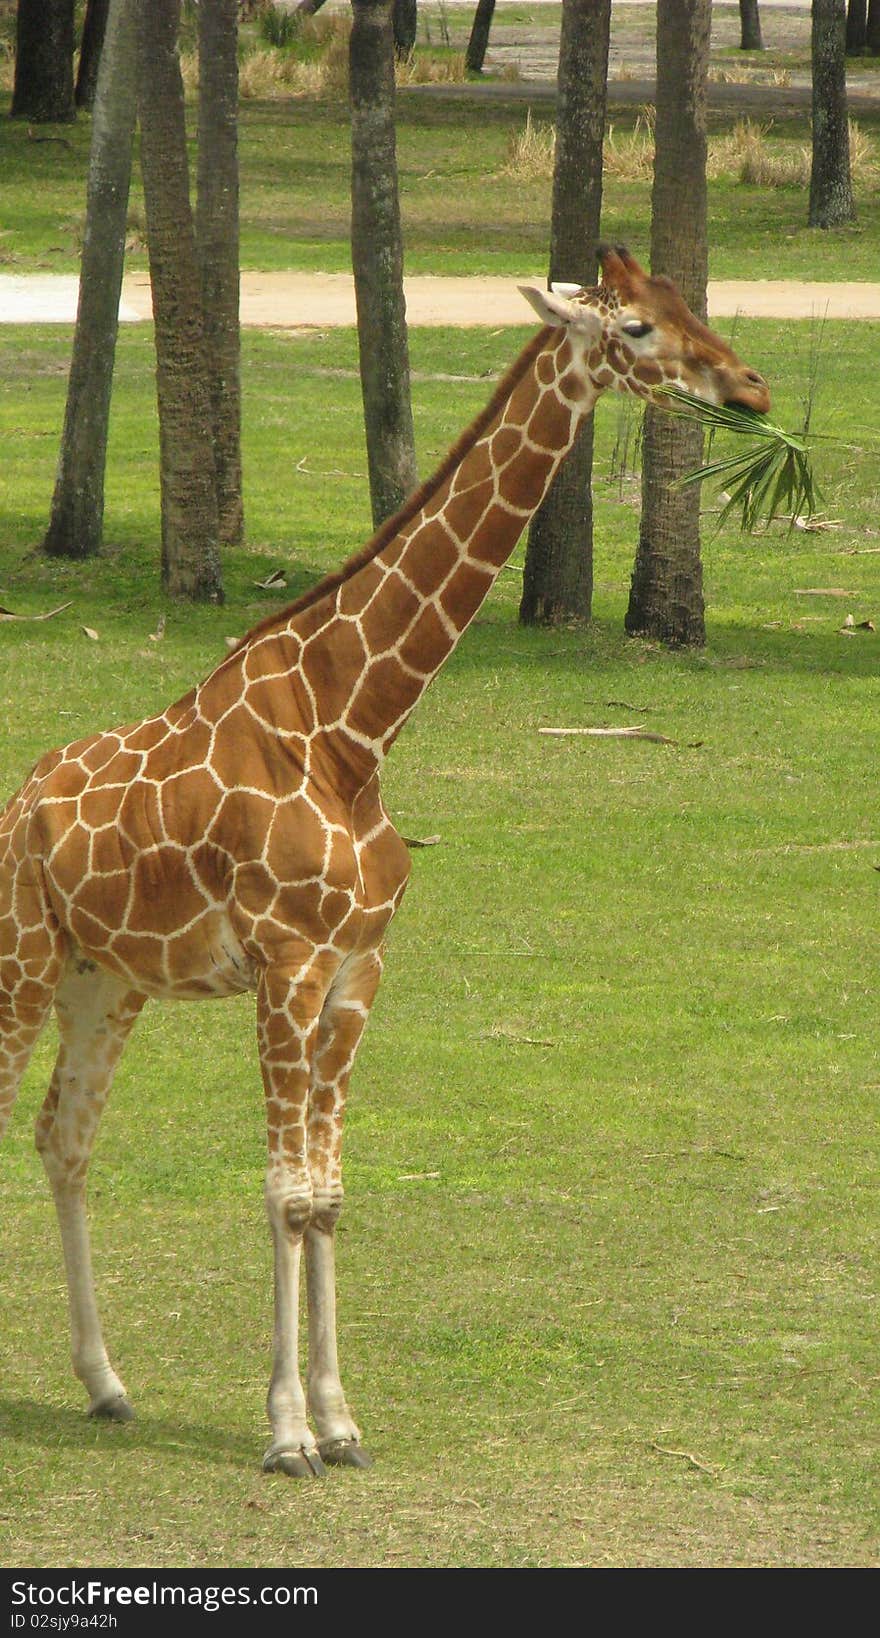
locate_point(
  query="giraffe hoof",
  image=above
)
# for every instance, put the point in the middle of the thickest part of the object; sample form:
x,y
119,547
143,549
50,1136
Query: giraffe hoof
x,y
344,1453
297,1464
113,1410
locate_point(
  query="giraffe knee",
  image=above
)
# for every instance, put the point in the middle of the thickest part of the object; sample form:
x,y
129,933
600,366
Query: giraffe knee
x,y
289,1205
326,1206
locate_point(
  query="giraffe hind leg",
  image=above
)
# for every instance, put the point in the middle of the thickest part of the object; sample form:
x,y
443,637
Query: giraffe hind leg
x,y
95,1014
30,961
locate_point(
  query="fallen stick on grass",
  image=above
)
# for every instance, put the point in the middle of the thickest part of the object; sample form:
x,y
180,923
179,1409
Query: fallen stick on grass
x,y
7,614
611,733
686,1456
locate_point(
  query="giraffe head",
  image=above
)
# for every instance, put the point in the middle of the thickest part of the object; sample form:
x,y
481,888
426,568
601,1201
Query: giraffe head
x,y
636,333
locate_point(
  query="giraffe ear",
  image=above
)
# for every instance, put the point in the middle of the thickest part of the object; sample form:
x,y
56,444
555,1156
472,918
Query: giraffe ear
x,y
556,307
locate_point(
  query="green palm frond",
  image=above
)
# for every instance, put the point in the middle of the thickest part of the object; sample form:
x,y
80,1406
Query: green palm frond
x,y
772,477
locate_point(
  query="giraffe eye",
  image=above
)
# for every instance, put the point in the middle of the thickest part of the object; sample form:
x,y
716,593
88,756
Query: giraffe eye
x,y
636,328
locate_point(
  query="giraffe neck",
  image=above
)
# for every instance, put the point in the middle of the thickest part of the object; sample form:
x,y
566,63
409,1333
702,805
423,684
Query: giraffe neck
x,y
393,623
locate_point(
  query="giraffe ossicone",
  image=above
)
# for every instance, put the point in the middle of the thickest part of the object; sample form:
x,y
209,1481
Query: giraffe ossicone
x,y
238,841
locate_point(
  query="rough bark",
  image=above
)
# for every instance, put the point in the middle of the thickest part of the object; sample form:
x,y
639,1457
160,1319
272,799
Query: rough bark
x,y
666,596
77,516
217,236
404,22
190,548
856,27
44,41
831,195
558,576
377,260
479,37
750,26
94,31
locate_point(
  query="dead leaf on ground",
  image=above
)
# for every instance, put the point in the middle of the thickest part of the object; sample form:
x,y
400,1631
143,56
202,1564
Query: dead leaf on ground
x,y
157,635
273,582
89,631
420,841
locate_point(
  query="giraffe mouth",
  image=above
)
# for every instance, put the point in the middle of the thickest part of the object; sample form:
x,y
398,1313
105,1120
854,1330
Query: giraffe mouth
x,y
744,407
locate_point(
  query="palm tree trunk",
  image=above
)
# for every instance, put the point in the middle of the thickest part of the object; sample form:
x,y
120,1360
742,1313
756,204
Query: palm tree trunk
x,y
44,41
558,575
91,44
217,237
479,36
76,521
377,260
831,195
750,26
190,528
856,27
404,23
666,597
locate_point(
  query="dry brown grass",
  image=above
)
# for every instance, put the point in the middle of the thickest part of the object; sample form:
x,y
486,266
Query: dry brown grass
x,y
7,65
747,154
630,154
530,152
421,70
746,74
268,73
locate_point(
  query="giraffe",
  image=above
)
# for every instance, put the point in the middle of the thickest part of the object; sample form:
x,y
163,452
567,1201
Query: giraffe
x,y
238,841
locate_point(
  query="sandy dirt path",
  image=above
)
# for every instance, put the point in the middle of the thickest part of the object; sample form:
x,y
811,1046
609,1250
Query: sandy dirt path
x,y
292,301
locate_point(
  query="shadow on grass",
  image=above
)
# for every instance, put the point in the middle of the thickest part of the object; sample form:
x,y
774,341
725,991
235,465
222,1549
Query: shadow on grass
x,y
48,1427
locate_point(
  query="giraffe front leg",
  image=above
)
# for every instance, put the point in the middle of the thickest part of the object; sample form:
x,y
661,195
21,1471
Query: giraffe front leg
x,y
345,1014
95,1015
289,1004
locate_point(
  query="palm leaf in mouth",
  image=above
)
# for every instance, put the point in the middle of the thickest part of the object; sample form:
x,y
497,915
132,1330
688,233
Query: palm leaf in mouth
x,y
772,477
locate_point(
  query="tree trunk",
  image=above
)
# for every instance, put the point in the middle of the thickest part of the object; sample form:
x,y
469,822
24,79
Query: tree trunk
x,y
479,40
44,41
94,30
856,27
666,597
831,195
872,28
404,22
377,260
217,237
750,26
190,549
558,575
76,521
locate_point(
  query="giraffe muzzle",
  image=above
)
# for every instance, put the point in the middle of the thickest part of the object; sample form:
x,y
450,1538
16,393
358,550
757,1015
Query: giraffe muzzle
x,y
746,389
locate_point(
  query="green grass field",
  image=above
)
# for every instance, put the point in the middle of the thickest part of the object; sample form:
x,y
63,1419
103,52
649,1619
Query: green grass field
x,y
608,1254
461,213
608,1257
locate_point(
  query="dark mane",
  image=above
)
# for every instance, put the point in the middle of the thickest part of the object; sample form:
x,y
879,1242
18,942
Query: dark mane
x,y
414,503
